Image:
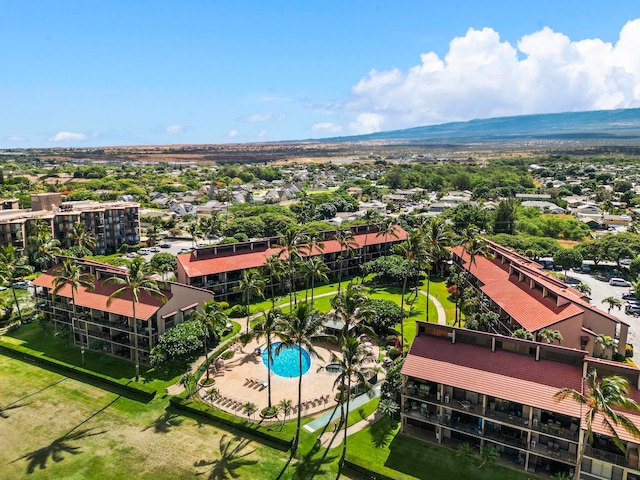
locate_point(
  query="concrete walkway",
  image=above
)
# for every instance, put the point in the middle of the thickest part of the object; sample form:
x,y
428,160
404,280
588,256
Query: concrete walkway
x,y
328,438
442,316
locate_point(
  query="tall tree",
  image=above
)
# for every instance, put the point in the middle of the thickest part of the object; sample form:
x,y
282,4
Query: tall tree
x,y
268,326
274,268
293,245
46,249
312,269
193,229
437,237
612,302
136,282
84,238
12,268
413,249
505,217
301,328
371,218
346,241
600,399
606,343
351,361
72,274
213,320
251,284
550,336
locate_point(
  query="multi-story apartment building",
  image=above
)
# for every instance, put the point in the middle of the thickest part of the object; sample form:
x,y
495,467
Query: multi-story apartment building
x,y
111,328
112,223
220,268
525,297
483,388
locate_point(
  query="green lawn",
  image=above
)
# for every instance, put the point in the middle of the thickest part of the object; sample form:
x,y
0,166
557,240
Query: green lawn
x,y
381,444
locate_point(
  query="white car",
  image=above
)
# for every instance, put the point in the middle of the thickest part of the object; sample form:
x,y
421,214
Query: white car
x,y
132,255
144,251
154,249
619,282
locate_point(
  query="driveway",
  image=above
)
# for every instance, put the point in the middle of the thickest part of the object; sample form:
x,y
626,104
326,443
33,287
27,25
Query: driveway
x,y
600,289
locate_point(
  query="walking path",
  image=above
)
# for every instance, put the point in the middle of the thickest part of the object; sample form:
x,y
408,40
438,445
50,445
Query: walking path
x,y
327,437
442,316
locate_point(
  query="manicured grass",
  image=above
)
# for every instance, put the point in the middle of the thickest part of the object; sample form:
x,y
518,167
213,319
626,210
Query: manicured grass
x,y
56,427
382,445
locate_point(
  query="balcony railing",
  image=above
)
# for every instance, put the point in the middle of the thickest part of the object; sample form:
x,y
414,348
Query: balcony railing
x,y
606,456
556,431
506,418
551,451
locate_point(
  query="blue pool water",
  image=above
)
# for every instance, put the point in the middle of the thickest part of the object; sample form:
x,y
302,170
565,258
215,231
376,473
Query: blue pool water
x,y
286,363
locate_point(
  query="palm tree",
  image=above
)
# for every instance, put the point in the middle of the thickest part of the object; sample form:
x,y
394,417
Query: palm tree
x,y
583,288
293,243
550,336
193,229
437,237
273,267
387,228
268,327
351,306
606,343
612,302
213,320
371,218
70,273
285,408
46,249
475,246
84,237
312,269
12,268
412,249
351,361
347,242
600,399
300,328
250,284
523,334
136,281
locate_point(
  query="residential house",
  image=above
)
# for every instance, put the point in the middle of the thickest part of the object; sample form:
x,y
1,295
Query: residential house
x,y
543,206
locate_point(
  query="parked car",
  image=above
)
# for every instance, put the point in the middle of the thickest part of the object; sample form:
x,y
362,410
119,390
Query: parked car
x,y
154,249
185,250
629,295
632,309
23,285
165,245
2,289
619,282
144,251
132,255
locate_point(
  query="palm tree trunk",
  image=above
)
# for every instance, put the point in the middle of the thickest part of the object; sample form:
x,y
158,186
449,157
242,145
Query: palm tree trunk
x,y
15,299
428,290
273,292
583,448
269,371
313,284
404,288
346,423
340,272
296,440
206,350
135,342
248,310
363,257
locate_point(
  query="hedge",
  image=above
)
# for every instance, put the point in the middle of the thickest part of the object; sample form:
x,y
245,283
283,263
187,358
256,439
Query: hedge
x,y
278,439
21,353
363,466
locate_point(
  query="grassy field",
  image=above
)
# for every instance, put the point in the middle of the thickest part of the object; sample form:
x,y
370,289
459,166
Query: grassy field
x,y
56,427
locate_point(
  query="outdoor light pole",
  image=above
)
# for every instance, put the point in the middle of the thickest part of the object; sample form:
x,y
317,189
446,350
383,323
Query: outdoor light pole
x,y
82,353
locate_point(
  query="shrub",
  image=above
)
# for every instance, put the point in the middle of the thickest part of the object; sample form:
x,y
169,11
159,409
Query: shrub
x,y
386,314
628,351
239,311
393,353
228,355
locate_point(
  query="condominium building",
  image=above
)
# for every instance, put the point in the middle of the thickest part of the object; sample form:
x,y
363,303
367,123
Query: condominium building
x,y
482,388
112,223
220,268
110,327
526,297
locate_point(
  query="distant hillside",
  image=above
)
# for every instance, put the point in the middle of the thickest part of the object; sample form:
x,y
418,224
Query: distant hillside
x,y
623,124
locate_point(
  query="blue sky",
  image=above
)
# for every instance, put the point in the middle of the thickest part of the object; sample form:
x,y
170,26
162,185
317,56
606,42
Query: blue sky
x,y
93,73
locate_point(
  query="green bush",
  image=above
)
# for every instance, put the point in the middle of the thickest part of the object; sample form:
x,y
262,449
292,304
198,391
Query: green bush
x,y
228,355
393,353
238,311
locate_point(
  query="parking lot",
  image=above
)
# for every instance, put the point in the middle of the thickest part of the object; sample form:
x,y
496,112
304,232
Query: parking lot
x,y
600,289
174,249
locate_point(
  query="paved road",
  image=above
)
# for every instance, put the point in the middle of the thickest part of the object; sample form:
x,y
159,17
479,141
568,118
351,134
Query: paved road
x,y
600,289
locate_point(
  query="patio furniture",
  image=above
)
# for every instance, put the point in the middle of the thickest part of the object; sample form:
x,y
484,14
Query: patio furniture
x,y
465,405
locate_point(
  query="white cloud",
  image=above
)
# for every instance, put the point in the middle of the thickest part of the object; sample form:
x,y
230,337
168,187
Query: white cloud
x,y
326,127
367,123
257,117
233,133
15,138
68,137
175,129
481,76
262,134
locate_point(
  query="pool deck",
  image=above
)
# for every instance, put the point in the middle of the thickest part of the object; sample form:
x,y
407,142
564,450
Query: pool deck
x,y
234,385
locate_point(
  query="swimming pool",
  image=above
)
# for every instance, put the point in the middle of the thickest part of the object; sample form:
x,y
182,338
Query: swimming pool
x,y
286,363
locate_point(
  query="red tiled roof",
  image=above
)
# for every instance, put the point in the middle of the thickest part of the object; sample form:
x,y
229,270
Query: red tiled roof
x,y
510,376
525,305
97,299
211,265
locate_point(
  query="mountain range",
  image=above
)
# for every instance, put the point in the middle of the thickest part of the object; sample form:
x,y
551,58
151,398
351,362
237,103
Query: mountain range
x,y
621,125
